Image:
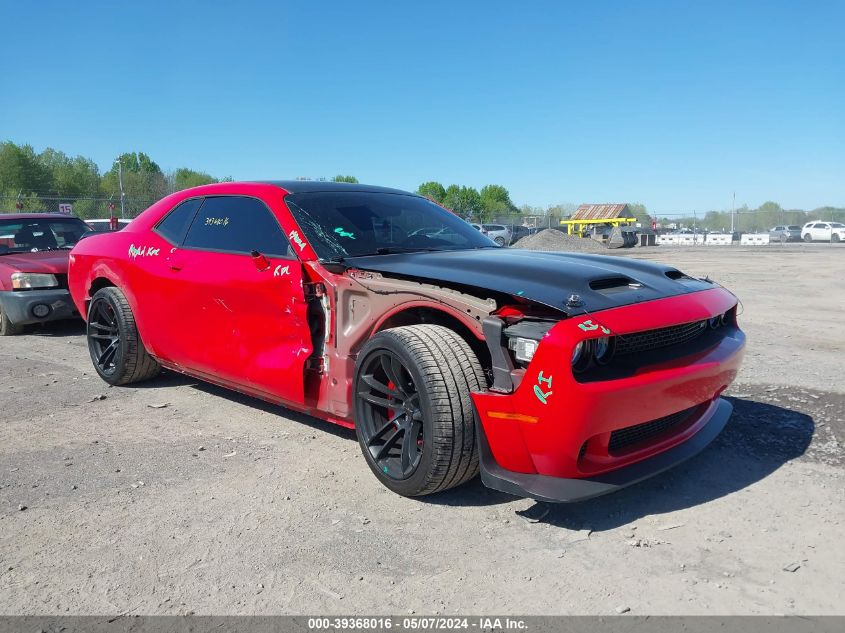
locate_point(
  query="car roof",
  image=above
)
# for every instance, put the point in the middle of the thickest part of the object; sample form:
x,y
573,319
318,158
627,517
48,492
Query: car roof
x,y
314,186
36,216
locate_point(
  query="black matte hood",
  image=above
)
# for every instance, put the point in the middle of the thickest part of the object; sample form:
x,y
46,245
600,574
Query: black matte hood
x,y
600,281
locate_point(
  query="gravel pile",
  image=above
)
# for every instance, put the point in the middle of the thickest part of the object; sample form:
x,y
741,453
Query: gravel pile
x,y
553,240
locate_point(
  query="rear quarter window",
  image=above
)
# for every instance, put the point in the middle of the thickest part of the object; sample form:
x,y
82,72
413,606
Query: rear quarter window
x,y
175,224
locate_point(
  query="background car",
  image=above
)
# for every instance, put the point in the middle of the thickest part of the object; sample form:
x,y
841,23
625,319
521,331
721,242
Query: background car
x,y
823,231
479,228
785,233
499,233
100,225
518,232
34,251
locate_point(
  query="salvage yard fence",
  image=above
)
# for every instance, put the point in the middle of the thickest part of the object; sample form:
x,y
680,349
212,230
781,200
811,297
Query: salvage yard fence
x,y
88,208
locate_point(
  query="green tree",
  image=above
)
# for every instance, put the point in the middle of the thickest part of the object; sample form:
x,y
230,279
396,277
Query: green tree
x,y
432,190
495,201
640,212
465,201
341,178
70,177
135,162
21,171
184,178
143,182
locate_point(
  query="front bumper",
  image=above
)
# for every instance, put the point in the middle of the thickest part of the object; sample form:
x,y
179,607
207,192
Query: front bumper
x,y
565,490
18,305
553,437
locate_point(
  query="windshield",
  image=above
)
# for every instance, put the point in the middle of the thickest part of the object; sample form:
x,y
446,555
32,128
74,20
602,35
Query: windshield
x,y
793,227
350,224
837,225
39,234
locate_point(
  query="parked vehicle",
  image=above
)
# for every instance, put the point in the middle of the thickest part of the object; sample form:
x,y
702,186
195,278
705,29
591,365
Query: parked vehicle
x,y
785,233
823,231
479,228
518,232
104,225
499,233
34,251
560,376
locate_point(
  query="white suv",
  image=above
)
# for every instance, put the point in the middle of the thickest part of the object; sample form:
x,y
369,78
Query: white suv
x,y
499,233
825,231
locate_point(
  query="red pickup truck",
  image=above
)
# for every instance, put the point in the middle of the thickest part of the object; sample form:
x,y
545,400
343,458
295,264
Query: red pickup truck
x,y
34,250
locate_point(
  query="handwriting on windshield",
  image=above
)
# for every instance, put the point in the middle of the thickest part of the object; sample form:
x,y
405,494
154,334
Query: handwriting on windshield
x,y
217,221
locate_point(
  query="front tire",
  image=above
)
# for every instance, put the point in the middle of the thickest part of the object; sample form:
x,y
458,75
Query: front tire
x,y
116,349
835,238
414,416
808,237
500,241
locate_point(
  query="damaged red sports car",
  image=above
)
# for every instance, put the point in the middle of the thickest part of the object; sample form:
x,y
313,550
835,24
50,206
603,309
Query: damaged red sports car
x,y
559,376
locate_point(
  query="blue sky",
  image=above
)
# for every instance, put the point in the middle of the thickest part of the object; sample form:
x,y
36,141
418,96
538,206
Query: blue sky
x,y
672,104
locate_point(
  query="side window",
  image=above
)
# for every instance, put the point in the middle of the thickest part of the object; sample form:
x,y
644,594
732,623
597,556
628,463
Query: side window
x,y
237,224
175,224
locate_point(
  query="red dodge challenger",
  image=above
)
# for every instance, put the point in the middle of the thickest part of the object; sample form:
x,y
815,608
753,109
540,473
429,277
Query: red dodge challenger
x,y
559,376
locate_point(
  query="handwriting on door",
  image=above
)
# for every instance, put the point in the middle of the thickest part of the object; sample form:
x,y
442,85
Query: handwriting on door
x,y
296,239
281,270
142,251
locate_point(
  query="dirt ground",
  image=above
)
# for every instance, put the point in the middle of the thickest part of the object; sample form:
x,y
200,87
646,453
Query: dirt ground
x,y
177,497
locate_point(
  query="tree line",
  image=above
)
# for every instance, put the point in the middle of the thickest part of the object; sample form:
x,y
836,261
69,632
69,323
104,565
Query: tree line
x,y
493,201
37,180
762,218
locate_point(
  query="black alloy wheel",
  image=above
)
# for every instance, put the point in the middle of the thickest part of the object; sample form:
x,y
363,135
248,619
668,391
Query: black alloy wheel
x,y
104,336
391,420
116,349
414,415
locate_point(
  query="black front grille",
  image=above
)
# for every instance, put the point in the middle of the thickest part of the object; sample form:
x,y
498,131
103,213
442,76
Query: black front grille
x,y
630,435
655,339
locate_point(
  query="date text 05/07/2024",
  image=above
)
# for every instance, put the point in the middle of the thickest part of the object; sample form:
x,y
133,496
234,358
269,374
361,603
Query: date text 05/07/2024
x,y
417,623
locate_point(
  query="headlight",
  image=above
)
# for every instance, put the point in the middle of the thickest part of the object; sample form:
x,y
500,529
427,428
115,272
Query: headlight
x,y
603,349
524,338
523,348
581,355
22,281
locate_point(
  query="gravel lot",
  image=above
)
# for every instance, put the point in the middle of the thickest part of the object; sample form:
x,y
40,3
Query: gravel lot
x,y
178,497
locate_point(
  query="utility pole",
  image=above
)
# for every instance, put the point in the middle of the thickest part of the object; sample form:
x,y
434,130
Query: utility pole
x,y
122,195
733,206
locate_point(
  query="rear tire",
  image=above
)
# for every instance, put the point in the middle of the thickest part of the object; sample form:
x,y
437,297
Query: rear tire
x,y
808,237
116,349
7,328
414,416
835,238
